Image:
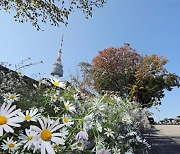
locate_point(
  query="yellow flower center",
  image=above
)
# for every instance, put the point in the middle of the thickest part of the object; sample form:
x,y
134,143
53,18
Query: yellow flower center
x,y
97,140
54,97
127,119
117,150
46,135
20,73
3,120
67,107
55,146
56,83
79,144
27,117
66,120
30,138
109,131
12,97
11,145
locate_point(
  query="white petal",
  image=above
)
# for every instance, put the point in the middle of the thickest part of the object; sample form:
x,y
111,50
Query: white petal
x,y
21,114
33,112
56,128
57,134
41,123
2,109
27,131
13,124
49,148
58,140
22,137
33,119
26,145
1,131
37,129
8,129
36,146
43,151
27,112
11,109
15,120
13,113
7,107
45,122
54,124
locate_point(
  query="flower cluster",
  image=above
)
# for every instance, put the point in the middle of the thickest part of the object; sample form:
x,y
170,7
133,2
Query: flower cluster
x,y
61,119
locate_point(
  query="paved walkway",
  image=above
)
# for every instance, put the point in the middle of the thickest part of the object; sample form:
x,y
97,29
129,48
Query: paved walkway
x,y
164,139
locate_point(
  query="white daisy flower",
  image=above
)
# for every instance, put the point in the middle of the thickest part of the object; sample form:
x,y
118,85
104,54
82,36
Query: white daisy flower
x,y
99,141
109,132
56,109
58,83
54,98
10,97
99,107
20,73
117,98
82,135
28,139
8,117
41,109
127,119
87,125
98,126
64,132
67,120
77,96
10,145
116,150
31,115
69,107
46,135
55,82
88,122
99,144
78,145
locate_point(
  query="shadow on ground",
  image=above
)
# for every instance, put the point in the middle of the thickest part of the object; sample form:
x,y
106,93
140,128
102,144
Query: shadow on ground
x,y
161,144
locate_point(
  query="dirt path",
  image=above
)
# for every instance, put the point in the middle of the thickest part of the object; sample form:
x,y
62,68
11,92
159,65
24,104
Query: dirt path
x,y
164,139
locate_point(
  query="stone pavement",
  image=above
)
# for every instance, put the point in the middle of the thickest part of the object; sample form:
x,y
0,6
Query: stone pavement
x,y
164,139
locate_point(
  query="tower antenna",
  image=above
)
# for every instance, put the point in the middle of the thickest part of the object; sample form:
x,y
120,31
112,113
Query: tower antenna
x,y
60,50
57,69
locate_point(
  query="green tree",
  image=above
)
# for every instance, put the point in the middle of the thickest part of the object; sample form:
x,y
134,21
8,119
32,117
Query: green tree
x,y
53,11
124,71
151,79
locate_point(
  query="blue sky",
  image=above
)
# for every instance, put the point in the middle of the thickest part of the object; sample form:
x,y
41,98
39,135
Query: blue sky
x,y
150,26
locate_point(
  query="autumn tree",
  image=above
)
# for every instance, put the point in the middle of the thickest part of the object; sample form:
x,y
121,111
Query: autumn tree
x,y
52,11
124,71
114,69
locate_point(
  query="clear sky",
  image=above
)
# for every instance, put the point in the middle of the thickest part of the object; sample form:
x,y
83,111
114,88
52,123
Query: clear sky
x,y
150,26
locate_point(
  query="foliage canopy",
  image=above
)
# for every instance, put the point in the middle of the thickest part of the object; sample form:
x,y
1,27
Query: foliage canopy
x,y
53,11
124,71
